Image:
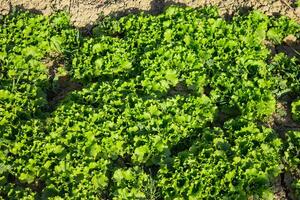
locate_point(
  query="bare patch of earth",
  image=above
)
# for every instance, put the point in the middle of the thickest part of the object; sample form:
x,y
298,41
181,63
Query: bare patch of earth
x,y
86,12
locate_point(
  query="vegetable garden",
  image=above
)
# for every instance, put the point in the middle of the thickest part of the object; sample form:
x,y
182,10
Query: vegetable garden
x,y
182,105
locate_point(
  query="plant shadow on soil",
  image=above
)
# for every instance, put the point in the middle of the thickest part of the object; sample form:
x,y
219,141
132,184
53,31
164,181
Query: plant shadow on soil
x,y
157,7
22,8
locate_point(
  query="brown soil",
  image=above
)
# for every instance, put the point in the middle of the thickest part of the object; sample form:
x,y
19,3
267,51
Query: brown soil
x,y
290,46
282,122
86,12
279,189
62,84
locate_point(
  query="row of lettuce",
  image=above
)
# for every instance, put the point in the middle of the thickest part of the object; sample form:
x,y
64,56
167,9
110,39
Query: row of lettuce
x,y
174,106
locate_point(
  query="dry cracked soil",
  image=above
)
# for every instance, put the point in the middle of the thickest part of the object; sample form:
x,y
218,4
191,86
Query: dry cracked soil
x,y
86,12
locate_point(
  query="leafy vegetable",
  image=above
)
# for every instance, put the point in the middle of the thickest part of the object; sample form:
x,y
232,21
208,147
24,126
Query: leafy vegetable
x,y
173,106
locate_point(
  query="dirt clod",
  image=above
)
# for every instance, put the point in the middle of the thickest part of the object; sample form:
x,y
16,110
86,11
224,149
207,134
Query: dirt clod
x,y
290,40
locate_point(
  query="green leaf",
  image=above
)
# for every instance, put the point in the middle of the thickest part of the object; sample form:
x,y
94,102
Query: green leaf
x,y
3,180
140,153
171,76
4,94
100,181
95,149
56,43
168,35
97,48
58,149
274,35
126,65
26,178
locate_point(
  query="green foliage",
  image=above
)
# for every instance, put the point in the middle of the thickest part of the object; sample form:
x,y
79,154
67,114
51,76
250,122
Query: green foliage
x,y
296,110
292,158
297,3
173,106
222,163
